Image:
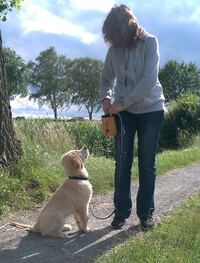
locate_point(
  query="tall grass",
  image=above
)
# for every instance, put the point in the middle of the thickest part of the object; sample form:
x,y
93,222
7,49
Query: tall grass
x,y
52,133
39,172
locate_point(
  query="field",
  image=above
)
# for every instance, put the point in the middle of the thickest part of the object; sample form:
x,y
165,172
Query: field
x,y
39,172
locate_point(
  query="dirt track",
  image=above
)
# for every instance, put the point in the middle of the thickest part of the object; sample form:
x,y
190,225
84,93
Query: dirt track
x,y
18,246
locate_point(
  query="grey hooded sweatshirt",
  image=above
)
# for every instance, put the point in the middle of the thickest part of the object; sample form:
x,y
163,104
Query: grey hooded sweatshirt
x,y
130,76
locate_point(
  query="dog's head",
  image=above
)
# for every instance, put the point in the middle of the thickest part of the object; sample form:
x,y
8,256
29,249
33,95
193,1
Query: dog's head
x,y
73,161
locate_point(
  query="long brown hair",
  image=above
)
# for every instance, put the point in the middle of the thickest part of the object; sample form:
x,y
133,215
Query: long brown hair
x,y
120,27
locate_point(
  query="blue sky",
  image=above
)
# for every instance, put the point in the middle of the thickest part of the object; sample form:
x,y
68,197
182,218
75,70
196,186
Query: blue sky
x,y
73,27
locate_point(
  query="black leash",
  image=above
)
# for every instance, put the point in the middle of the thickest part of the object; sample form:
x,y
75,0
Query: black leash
x,y
106,217
121,146
78,177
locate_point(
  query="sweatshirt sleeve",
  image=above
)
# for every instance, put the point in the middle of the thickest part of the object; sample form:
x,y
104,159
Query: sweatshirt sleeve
x,y
107,79
150,74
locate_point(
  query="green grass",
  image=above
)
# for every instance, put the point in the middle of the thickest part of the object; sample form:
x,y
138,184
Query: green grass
x,y
101,172
169,160
101,169
175,240
39,172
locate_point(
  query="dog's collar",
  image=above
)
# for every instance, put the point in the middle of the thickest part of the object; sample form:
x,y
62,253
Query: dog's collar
x,y
78,177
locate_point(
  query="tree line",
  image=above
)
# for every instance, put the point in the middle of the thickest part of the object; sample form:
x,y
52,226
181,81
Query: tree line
x,y
55,80
59,82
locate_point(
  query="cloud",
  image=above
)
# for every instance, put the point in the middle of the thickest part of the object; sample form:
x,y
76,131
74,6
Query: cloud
x,y
176,24
30,109
167,11
73,27
22,103
34,17
80,5
195,16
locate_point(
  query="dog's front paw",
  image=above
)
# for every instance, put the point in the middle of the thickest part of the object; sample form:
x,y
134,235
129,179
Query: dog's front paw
x,y
86,230
66,227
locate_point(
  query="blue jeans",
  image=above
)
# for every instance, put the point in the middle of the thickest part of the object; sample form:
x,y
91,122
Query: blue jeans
x,y
147,126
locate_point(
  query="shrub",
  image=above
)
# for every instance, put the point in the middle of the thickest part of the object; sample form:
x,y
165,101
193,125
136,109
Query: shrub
x,y
182,122
89,134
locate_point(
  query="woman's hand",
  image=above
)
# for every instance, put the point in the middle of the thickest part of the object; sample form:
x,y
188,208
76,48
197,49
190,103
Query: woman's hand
x,y
106,106
115,108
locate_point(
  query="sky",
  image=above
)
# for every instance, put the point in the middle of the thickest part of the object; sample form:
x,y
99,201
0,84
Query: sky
x,y
73,27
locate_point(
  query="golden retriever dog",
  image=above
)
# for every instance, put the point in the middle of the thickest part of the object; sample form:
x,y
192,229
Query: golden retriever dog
x,y
71,198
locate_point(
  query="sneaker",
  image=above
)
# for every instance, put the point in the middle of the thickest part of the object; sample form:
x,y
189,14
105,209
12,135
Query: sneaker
x,y
118,222
147,224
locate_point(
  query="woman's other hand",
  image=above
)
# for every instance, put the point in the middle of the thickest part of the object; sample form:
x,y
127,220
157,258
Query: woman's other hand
x,y
106,106
115,108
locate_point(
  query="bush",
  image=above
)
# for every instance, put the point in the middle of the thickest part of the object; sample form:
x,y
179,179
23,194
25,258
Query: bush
x,y
89,134
182,122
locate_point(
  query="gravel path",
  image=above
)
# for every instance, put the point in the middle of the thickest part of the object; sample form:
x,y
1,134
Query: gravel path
x,y
19,246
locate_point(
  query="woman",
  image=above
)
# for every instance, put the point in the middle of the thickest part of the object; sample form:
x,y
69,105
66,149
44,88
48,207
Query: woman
x,y
130,78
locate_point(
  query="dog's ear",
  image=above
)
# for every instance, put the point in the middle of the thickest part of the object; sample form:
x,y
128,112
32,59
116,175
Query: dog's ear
x,y
63,159
76,163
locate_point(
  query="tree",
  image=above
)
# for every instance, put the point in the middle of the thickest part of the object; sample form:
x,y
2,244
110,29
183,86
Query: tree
x,y
49,80
10,149
85,80
17,74
178,78
8,5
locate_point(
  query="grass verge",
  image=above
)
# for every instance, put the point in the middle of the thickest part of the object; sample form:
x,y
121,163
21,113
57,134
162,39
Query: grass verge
x,y
175,240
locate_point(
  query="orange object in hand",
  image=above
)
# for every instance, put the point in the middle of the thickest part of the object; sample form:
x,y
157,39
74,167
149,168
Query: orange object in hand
x,y
108,125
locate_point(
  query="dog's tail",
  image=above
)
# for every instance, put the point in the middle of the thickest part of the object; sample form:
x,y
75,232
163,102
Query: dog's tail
x,y
24,226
